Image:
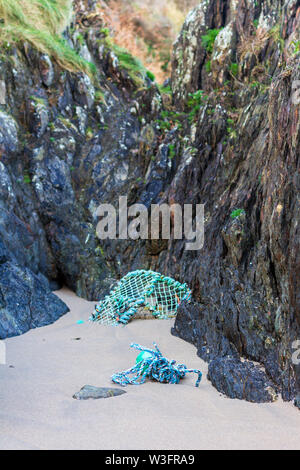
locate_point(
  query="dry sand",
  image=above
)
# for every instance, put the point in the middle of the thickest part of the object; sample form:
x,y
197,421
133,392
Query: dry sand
x,y
37,410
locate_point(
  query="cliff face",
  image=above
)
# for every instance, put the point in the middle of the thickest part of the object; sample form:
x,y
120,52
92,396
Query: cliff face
x,y
246,172
69,142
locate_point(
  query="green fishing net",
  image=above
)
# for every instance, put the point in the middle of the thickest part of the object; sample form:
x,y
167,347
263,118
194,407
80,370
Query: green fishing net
x,y
159,294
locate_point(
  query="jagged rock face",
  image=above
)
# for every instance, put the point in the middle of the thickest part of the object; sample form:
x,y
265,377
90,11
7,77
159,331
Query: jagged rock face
x,y
246,172
188,58
67,144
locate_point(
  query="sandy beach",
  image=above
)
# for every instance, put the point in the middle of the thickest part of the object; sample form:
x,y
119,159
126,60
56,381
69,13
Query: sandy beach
x,y
46,366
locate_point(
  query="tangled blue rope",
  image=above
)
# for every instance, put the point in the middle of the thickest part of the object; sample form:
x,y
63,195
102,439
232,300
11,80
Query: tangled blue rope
x,y
155,366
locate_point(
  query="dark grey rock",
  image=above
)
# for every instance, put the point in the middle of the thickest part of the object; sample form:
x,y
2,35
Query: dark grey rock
x,y
38,115
26,301
89,391
84,91
24,241
242,380
246,277
8,133
46,69
195,323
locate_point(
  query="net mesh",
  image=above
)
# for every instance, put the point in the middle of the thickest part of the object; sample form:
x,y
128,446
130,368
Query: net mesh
x,y
160,294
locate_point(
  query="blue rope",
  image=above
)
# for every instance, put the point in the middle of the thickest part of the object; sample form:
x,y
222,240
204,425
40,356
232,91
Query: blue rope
x,y
156,367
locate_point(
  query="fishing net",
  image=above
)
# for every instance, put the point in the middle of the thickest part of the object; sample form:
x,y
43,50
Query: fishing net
x,y
160,295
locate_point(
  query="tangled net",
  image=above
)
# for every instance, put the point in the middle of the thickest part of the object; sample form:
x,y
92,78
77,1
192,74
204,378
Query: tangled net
x,y
159,294
156,367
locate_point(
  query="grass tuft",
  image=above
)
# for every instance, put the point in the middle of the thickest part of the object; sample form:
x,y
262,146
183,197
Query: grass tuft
x,y
208,39
41,23
134,67
237,213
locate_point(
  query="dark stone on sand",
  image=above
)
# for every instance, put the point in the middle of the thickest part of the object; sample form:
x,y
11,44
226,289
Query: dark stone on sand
x,y
89,391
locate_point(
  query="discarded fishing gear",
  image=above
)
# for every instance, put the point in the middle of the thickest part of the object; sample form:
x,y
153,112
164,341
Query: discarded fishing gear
x,y
152,364
160,294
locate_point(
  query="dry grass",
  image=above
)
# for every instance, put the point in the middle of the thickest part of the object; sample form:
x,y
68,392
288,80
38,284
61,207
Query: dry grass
x,y
147,29
44,15
253,44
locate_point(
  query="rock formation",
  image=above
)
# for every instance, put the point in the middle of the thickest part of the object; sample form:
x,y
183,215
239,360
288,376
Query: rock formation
x,y
69,142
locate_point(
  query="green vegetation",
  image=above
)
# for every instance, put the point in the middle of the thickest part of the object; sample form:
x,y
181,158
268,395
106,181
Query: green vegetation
x,y
41,22
150,75
195,101
102,127
37,100
208,39
237,213
26,178
104,31
232,133
89,133
276,35
172,151
99,96
208,66
80,39
165,90
296,45
131,64
169,119
230,129
165,59
261,87
234,68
